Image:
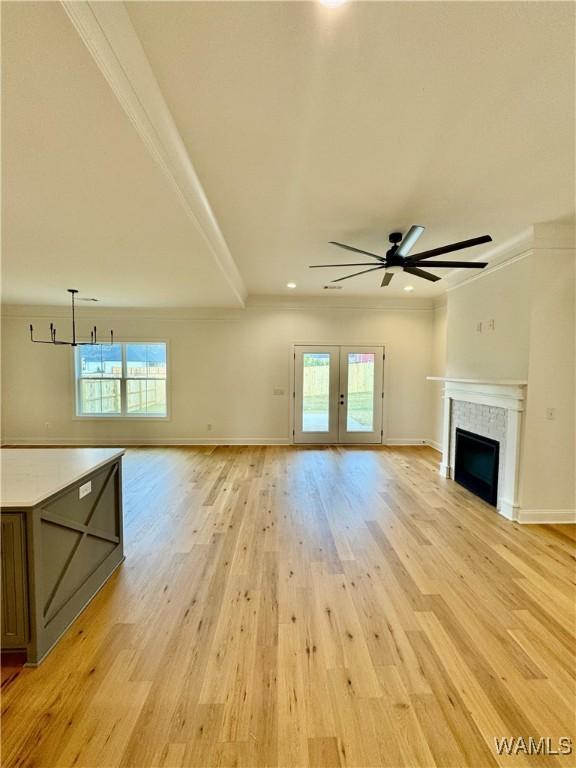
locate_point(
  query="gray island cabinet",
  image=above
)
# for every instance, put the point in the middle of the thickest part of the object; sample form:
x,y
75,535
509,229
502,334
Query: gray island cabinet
x,y
61,539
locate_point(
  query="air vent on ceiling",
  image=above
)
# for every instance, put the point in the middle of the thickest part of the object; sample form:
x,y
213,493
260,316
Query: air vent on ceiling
x,y
332,287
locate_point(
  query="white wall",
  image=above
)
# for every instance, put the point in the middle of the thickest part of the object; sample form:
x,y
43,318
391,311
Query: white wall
x,y
223,368
548,479
504,296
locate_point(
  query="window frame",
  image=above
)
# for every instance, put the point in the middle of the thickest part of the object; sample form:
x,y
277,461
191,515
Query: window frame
x,y
78,416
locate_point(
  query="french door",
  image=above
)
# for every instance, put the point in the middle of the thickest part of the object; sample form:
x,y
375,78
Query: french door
x,y
338,394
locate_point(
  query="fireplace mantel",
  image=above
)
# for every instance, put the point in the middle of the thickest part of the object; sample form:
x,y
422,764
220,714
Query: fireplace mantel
x,y
494,382
509,394
502,393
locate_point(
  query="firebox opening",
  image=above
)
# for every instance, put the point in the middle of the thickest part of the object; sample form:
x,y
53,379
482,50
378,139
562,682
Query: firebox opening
x,y
476,464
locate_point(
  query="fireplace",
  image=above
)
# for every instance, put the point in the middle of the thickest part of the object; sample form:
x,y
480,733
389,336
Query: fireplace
x,y
503,398
476,464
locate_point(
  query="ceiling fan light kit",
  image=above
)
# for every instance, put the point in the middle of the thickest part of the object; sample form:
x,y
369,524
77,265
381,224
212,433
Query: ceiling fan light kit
x,y
74,342
397,257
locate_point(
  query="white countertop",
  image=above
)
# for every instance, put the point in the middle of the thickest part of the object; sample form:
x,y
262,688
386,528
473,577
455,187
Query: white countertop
x,y
30,475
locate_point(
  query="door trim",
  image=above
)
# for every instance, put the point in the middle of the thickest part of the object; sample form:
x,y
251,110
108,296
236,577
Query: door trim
x,y
332,343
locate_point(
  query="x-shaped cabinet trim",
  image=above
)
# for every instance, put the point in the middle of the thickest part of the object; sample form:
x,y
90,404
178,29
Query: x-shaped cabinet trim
x,y
85,529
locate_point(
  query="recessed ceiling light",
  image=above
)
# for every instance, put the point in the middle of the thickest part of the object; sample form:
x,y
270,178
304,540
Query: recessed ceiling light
x,y
408,288
332,3
290,285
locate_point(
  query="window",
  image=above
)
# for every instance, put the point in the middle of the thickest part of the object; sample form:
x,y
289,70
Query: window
x,y
121,379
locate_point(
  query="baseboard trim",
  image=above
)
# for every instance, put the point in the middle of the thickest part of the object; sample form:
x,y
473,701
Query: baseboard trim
x,y
508,510
546,516
434,444
405,441
75,442
39,442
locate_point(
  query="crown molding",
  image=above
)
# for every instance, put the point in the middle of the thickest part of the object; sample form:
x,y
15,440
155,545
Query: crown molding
x,y
279,302
167,314
491,269
31,313
501,255
108,34
551,237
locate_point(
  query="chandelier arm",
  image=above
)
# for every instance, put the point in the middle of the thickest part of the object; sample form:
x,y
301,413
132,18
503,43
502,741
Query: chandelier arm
x,y
37,341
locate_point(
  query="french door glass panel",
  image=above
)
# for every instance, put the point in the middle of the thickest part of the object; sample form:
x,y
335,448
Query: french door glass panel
x,y
316,396
360,394
338,394
360,411
316,392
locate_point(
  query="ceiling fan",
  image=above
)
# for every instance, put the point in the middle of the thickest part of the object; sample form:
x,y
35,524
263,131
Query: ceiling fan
x,y
397,256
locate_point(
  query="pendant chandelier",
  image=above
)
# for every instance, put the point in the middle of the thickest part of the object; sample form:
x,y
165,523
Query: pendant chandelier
x,y
74,342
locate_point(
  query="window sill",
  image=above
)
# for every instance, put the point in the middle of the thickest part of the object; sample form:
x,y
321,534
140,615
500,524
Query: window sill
x,y
121,417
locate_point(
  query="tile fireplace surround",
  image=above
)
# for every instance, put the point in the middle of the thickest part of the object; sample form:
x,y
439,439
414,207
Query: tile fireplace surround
x,y
491,408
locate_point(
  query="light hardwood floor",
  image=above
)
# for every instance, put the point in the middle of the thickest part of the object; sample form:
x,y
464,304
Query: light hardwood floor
x,y
307,607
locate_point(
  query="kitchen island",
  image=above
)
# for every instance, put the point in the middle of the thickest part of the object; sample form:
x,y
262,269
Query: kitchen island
x,y
62,538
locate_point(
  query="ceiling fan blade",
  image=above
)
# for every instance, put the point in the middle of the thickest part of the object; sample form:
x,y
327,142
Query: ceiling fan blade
x,y
357,250
409,240
386,279
347,277
458,264
451,247
356,264
422,273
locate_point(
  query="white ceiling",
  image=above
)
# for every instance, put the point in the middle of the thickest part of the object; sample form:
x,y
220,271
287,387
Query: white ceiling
x,y
85,205
304,124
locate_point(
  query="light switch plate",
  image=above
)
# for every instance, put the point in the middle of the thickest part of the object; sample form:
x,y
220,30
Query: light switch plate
x,y
85,489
